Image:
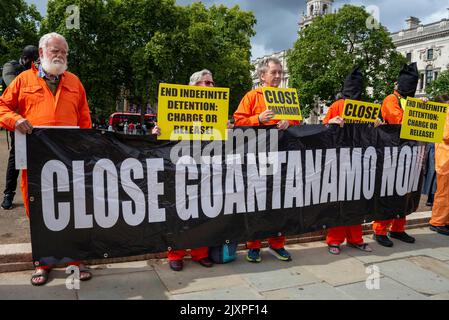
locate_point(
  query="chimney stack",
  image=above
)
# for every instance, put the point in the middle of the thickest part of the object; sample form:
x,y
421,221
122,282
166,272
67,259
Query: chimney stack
x,y
412,23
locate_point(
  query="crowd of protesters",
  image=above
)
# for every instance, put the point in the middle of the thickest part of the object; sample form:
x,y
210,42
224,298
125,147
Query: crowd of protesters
x,y
40,79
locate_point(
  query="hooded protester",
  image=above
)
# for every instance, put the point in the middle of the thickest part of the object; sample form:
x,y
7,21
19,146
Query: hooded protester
x,y
352,89
392,111
11,70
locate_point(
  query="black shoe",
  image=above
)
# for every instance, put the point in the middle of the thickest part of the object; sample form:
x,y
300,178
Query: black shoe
x,y
383,240
7,201
206,262
176,265
401,236
441,230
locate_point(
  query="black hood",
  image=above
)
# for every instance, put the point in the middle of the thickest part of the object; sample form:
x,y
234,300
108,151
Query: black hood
x,y
408,80
353,86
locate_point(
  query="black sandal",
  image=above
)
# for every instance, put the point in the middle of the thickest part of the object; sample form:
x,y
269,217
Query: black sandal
x,y
334,249
39,272
86,271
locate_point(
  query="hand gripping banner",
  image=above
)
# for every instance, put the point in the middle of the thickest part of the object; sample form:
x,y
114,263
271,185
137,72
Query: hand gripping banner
x,y
97,194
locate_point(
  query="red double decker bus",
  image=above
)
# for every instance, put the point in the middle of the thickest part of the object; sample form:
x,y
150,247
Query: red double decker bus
x,y
118,119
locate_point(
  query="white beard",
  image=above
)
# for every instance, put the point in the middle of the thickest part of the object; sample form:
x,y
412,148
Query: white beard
x,y
55,67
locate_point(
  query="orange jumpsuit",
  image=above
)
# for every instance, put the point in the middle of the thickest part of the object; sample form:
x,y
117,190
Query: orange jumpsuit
x,y
392,113
337,235
247,114
29,97
440,209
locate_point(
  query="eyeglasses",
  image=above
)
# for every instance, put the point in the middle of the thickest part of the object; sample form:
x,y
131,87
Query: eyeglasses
x,y
207,83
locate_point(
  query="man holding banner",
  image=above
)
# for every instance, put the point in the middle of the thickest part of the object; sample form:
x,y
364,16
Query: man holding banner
x,y
201,78
253,111
48,96
352,89
392,112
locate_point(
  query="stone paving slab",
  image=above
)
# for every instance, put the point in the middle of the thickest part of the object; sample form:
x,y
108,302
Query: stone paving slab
x,y
124,286
230,293
334,269
278,279
315,291
195,277
389,290
432,265
414,277
118,268
17,286
427,244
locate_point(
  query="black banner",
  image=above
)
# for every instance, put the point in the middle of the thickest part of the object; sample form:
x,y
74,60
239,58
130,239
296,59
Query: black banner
x,y
97,194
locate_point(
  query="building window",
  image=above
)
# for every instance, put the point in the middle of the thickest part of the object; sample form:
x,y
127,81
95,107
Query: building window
x,y
429,76
430,54
435,75
311,10
325,9
421,81
409,57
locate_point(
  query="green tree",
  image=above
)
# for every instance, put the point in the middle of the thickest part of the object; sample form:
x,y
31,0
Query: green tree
x,y
125,48
19,26
331,46
440,86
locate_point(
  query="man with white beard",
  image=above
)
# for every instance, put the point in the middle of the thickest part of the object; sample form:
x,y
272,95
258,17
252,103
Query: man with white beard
x,y
46,96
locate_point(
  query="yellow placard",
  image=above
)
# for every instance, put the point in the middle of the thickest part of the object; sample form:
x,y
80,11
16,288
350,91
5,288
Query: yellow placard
x,y
360,112
192,112
284,102
423,121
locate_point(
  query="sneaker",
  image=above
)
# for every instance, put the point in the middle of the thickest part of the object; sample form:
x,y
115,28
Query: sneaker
x,y
401,236
281,254
7,201
383,240
176,265
253,255
441,230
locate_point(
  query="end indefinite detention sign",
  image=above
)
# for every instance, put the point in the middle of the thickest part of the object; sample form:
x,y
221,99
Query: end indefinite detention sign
x,y
424,121
192,112
284,102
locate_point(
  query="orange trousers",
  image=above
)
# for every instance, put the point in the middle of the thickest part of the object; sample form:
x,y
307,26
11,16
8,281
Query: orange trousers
x,y
337,235
381,227
440,209
197,254
274,242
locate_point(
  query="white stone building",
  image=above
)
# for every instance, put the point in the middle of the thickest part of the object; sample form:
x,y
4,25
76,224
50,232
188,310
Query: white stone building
x,y
427,45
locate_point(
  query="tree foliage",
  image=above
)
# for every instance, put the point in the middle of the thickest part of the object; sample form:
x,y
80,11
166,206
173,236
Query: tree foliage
x,y
328,49
19,27
440,86
125,48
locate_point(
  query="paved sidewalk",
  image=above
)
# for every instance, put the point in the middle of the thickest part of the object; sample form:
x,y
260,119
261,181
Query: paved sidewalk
x,y
419,271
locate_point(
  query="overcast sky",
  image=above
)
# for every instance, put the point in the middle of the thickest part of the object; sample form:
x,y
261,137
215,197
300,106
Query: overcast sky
x,y
277,20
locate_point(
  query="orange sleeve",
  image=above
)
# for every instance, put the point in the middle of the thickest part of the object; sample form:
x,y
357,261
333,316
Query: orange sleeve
x,y
9,103
336,109
84,120
244,115
391,110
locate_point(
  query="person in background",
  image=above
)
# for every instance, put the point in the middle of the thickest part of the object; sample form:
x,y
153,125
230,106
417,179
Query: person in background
x,y
11,70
